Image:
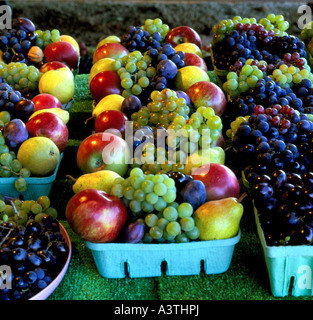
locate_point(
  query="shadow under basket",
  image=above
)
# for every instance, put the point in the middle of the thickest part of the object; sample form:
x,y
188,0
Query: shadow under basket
x,y
119,260
37,186
289,267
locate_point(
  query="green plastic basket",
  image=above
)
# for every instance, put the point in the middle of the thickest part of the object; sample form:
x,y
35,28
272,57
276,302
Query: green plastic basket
x,y
118,260
37,186
289,267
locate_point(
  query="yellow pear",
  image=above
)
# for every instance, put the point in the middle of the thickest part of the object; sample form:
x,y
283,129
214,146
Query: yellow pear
x,y
105,64
218,219
108,39
203,156
61,113
100,180
109,102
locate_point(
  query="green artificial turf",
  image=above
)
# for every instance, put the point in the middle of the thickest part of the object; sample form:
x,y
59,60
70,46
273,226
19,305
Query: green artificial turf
x,y
246,278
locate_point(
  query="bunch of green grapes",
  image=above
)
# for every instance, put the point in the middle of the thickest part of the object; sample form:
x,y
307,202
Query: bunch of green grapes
x,y
277,23
156,25
134,72
163,108
22,212
9,165
250,73
235,125
19,75
173,224
201,130
288,75
145,193
46,37
307,32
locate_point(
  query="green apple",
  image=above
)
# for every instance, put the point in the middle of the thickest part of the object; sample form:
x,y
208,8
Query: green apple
x,y
218,219
39,154
104,64
109,102
60,83
189,75
204,156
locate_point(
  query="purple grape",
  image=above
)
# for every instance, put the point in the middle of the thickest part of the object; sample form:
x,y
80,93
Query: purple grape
x,y
130,105
167,68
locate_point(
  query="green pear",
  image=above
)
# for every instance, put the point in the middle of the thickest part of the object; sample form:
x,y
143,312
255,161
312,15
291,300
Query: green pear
x,y
101,180
218,219
204,156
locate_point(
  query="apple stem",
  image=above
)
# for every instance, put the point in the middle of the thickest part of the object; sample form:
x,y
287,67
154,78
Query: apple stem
x,y
242,197
70,177
88,119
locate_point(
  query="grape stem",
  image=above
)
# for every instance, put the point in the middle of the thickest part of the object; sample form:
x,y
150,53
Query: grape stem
x,y
5,237
15,211
71,178
8,169
88,119
242,197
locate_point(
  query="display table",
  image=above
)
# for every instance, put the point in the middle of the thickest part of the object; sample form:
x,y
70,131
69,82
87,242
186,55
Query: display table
x,y
246,278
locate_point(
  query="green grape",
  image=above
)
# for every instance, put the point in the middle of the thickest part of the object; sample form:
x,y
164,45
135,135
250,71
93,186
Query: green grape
x,y
152,198
151,220
6,159
187,223
155,232
127,83
193,234
147,186
44,201
184,210
25,173
173,228
136,89
52,212
182,238
26,205
21,184
170,214
143,82
2,205
135,206
39,216
162,223
36,208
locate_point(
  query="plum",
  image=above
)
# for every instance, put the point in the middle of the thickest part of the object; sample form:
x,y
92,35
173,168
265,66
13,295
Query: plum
x,y
194,193
15,133
133,232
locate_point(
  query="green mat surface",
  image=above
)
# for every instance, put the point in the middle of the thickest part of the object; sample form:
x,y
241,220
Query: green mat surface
x,y
246,278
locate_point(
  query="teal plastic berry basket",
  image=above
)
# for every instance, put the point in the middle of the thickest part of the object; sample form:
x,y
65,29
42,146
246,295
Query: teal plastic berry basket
x,y
37,186
289,267
137,260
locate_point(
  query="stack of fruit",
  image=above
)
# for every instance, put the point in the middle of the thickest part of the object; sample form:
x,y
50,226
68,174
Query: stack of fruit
x,y
154,169
36,81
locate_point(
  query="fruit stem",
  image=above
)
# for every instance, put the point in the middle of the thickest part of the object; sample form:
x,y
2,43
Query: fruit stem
x,y
242,197
67,104
89,119
70,177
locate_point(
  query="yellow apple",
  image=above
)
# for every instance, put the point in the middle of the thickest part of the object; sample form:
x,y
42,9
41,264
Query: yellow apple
x,y
71,40
107,40
105,64
189,75
189,47
60,83
109,102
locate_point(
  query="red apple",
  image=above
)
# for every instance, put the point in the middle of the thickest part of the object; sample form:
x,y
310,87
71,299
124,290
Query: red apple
x,y
46,101
105,83
183,34
96,216
113,120
192,59
49,125
101,151
52,65
110,50
62,51
207,94
219,180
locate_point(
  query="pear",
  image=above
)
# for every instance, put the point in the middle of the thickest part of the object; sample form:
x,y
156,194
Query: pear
x,y
61,113
203,156
109,102
101,180
218,219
